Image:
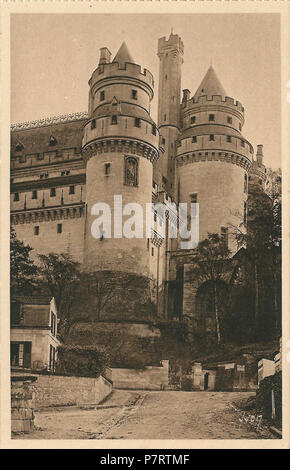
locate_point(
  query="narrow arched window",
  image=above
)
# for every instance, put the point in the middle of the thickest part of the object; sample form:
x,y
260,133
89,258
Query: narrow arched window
x,y
131,171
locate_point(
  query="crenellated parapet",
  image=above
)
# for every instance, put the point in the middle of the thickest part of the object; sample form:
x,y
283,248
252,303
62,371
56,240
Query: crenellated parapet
x,y
226,110
104,73
123,126
48,214
215,142
218,100
173,44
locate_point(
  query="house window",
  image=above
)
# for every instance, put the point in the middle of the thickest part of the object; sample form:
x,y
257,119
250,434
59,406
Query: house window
x,y
153,129
240,126
152,251
192,119
93,124
211,117
164,118
71,190
193,198
194,139
242,143
34,194
137,122
59,228
52,141
211,137
148,243
230,120
36,230
229,139
53,324
114,120
52,357
16,197
134,94
19,147
20,354
107,168
52,192
102,96
224,234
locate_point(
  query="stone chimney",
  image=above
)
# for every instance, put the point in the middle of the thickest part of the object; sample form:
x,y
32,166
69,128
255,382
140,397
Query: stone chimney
x,y
186,95
105,56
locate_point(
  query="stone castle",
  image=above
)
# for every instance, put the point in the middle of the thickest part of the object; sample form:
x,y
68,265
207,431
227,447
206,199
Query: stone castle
x,y
62,166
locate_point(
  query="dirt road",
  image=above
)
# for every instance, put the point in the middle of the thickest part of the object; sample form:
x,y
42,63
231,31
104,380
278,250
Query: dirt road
x,y
149,415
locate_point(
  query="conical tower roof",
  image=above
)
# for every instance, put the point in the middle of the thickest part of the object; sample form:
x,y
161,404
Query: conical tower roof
x,y
123,55
210,85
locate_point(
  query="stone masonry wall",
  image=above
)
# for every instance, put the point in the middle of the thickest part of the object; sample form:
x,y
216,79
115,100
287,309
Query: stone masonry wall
x,y
53,390
151,378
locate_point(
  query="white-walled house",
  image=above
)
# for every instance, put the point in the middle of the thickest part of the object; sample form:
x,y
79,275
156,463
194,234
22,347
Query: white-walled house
x,y
33,338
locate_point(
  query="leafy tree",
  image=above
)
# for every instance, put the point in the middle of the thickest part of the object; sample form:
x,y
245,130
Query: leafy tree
x,y
22,267
211,262
261,260
111,291
60,275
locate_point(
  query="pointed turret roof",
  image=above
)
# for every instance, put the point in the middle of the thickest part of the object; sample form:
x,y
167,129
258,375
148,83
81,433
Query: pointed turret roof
x,y
210,85
123,55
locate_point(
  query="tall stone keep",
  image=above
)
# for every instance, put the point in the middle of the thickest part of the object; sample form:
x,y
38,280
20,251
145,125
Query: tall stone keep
x,y
120,145
170,53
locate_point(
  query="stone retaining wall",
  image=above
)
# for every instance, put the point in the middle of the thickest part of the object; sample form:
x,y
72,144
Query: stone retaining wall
x,y
151,378
57,390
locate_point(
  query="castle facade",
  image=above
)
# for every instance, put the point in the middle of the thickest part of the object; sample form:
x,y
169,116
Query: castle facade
x,y
195,153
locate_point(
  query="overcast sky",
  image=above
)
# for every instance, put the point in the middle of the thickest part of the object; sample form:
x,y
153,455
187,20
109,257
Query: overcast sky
x,y
54,55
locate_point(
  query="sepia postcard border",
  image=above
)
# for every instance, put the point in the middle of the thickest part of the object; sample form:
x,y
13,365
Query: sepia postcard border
x,y
140,7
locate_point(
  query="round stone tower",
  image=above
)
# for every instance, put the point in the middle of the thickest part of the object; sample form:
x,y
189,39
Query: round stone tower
x,y
213,158
120,146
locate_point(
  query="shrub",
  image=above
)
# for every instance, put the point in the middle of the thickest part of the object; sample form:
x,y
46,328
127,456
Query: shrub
x,y
186,384
81,361
177,330
264,398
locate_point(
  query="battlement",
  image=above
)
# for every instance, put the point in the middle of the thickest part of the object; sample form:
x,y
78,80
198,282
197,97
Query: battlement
x,y
174,41
98,129
128,70
217,142
214,100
